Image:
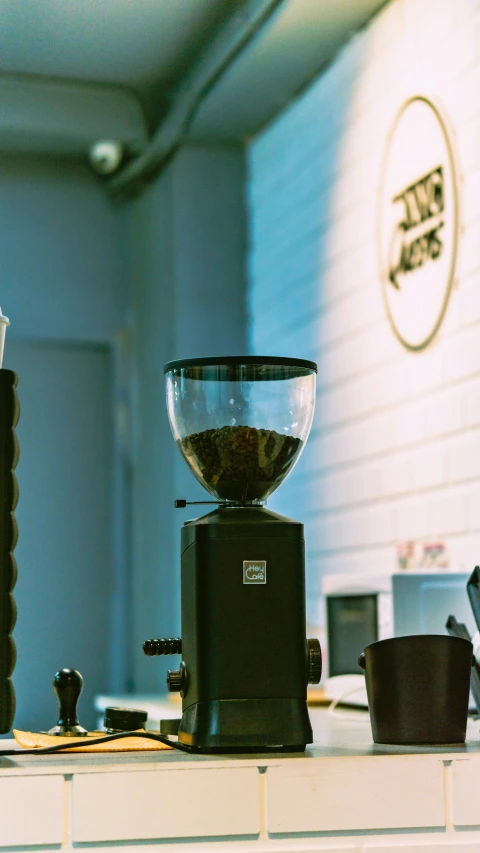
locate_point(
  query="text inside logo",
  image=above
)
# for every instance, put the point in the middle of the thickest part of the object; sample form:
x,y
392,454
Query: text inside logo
x,y
254,571
417,236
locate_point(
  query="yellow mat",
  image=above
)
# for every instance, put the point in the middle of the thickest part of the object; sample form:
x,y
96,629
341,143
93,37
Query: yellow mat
x,y
31,740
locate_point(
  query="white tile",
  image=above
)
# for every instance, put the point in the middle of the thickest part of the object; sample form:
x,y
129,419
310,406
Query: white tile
x,y
411,518
465,780
469,147
31,810
471,198
447,512
466,106
426,370
410,424
351,794
397,472
466,9
462,355
445,412
147,805
472,402
429,467
468,259
469,299
463,551
464,457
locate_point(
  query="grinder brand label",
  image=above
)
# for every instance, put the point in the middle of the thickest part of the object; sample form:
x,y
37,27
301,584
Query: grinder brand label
x,y
254,571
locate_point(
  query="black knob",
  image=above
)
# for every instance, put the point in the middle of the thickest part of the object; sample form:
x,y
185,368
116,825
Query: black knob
x,y
174,680
172,646
314,661
68,684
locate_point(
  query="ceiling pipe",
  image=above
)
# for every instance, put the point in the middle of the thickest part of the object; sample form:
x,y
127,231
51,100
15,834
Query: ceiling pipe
x,y
226,47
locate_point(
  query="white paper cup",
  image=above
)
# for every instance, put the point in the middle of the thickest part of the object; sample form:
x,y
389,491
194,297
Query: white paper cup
x,y
4,322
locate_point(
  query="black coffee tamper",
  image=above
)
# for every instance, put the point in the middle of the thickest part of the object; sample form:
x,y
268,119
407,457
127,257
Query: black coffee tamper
x,y
68,684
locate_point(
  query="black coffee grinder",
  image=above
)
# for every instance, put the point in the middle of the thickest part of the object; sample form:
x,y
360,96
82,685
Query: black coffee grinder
x,y
241,424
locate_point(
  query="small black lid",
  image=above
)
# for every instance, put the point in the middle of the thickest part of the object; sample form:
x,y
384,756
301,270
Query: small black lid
x,y
258,367
124,719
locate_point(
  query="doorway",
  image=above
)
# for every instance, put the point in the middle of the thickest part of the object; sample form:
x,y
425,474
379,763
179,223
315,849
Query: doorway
x,y
65,519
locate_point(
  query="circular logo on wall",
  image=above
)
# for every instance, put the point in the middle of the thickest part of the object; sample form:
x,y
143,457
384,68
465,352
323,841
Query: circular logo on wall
x,y
418,222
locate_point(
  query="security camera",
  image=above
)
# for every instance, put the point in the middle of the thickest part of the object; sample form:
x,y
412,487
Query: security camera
x,y
106,156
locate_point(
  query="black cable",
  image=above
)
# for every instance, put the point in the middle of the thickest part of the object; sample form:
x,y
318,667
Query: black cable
x,y
45,750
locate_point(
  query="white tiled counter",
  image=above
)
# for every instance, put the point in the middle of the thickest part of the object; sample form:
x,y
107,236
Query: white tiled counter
x,y
345,793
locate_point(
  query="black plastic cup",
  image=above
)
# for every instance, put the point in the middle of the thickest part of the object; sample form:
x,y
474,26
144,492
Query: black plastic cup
x,y
418,688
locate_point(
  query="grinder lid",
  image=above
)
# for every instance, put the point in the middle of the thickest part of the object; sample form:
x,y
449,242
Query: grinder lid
x,y
248,360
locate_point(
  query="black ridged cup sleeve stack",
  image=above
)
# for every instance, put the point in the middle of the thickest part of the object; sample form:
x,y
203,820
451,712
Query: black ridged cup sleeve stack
x,y
9,452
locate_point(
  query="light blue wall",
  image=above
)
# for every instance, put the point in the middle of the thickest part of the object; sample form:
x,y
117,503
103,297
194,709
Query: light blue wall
x,y
60,273
60,260
66,572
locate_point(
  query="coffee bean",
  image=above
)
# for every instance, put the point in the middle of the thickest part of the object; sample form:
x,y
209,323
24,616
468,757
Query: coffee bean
x,y
240,463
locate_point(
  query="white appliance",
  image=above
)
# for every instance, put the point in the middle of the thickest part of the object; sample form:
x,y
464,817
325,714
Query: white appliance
x,y
361,609
423,601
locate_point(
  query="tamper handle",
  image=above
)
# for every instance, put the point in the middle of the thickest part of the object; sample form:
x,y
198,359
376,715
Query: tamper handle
x,y
68,684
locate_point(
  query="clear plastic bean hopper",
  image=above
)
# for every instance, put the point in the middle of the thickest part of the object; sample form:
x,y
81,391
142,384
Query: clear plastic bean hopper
x,y
241,423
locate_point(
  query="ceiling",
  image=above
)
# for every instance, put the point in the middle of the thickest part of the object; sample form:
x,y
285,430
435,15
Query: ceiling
x,y
75,71
301,38
147,47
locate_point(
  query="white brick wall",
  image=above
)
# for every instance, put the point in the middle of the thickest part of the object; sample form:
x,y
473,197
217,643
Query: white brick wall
x,y
394,453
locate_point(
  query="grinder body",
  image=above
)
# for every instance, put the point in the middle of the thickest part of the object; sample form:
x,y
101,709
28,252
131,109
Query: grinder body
x,y
245,658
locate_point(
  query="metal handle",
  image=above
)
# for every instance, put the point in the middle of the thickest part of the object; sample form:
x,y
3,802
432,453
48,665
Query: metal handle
x,y
164,646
